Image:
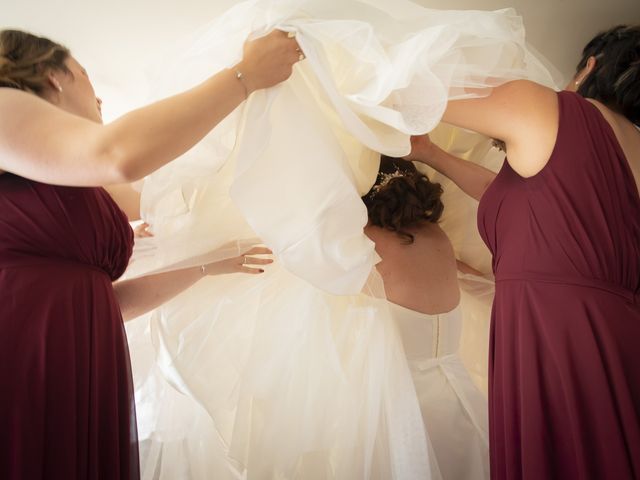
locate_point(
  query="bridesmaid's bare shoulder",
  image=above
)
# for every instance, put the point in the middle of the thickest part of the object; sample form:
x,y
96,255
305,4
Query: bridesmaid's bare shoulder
x,y
524,114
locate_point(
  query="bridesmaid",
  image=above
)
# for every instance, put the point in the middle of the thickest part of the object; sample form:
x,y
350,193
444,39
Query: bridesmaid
x,y
67,407
562,219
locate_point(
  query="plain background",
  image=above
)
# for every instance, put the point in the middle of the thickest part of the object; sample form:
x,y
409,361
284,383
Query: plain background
x,y
113,38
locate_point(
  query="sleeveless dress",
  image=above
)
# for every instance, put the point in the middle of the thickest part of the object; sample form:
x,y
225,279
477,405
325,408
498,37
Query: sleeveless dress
x,y
67,408
564,391
453,409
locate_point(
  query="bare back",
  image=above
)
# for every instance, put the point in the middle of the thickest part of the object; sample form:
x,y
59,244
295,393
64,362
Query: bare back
x,y
421,276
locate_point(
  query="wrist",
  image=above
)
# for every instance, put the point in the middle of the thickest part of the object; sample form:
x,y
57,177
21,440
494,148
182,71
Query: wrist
x,y
427,155
245,77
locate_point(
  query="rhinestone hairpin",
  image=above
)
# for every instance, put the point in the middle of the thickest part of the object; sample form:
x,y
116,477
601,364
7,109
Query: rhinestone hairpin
x,y
385,178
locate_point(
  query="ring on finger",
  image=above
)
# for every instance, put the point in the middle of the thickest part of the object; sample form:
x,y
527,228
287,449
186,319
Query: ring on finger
x,y
245,260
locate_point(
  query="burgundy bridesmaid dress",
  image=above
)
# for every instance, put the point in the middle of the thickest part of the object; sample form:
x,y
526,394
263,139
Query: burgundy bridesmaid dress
x,y
66,408
565,335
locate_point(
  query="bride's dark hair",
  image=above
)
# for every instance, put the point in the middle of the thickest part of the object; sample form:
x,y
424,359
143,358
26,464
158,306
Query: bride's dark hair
x,y
402,198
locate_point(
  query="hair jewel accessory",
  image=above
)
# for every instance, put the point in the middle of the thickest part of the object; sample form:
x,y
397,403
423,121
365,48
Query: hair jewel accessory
x,y
384,179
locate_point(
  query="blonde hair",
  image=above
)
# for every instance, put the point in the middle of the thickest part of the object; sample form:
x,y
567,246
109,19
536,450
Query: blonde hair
x,y
25,60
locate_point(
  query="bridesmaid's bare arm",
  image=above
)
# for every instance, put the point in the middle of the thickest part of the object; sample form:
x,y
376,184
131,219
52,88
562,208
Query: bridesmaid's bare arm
x,y
521,113
138,296
472,179
42,142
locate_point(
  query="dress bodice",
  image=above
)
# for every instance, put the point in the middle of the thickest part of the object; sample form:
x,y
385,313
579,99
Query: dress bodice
x,y
578,219
48,223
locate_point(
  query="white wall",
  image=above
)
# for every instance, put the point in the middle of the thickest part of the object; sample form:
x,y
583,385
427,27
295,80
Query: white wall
x,y
111,37
559,29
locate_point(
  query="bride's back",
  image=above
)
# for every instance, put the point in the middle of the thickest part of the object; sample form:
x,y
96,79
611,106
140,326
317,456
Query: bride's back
x,y
418,263
422,275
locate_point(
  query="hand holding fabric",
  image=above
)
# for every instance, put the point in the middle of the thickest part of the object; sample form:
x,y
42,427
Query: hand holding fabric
x,y
268,60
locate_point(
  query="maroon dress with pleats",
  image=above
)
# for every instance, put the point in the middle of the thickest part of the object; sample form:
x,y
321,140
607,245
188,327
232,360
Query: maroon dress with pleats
x,y
565,335
66,408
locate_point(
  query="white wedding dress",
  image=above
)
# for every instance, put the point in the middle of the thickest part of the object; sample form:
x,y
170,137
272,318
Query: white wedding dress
x,y
454,411
301,373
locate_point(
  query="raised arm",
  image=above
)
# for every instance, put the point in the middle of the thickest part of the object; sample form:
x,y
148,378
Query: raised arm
x,y
42,142
521,113
470,177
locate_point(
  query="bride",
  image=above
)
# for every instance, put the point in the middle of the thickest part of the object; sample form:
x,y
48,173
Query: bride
x,y
419,270
302,373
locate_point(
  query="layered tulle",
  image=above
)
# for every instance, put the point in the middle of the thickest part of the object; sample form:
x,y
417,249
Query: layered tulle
x,y
300,373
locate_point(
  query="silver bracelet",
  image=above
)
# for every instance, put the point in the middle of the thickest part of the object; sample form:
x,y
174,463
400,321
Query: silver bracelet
x,y
240,77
